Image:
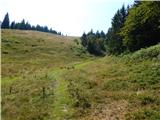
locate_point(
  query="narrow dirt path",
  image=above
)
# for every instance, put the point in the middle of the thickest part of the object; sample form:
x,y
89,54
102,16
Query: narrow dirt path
x,y
63,109
63,101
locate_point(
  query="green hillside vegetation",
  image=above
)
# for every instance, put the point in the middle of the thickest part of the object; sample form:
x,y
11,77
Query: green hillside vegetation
x,y
28,50
27,58
112,87
46,76
132,28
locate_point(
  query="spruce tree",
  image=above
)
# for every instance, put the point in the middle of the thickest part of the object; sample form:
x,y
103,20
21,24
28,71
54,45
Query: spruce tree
x,y
5,23
102,34
27,26
22,25
45,29
98,34
114,40
84,39
13,25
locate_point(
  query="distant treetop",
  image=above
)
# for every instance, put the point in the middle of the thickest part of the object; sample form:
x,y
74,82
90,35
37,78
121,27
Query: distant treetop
x,y
23,25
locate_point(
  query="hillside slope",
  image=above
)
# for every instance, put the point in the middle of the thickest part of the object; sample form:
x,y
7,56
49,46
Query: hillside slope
x,y
31,49
69,84
27,57
123,87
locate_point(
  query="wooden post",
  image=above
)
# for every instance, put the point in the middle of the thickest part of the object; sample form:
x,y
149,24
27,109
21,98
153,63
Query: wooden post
x,y
10,89
43,90
46,76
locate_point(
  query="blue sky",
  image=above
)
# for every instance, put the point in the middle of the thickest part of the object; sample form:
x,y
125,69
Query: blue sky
x,y
71,17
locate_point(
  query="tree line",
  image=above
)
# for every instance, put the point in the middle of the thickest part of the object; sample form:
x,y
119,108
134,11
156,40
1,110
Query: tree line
x,y
23,25
94,42
132,28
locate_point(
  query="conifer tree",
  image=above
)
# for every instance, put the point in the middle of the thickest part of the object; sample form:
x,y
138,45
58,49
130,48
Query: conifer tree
x,y
102,34
13,25
114,40
22,25
5,23
84,39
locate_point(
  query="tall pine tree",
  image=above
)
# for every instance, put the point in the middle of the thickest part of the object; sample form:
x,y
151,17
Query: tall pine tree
x,y
22,25
5,23
114,40
13,25
84,39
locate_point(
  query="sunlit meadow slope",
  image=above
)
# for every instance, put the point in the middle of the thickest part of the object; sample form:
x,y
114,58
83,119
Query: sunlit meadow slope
x,y
27,57
49,77
30,50
118,88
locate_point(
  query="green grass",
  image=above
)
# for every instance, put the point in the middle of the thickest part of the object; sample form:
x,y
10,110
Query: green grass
x,y
46,76
62,102
114,80
29,50
28,59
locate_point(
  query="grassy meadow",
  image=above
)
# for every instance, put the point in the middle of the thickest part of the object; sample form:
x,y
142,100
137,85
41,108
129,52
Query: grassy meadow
x,y
51,77
27,58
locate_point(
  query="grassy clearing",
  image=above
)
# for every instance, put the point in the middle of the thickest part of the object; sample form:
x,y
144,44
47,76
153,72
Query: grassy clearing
x,y
28,58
